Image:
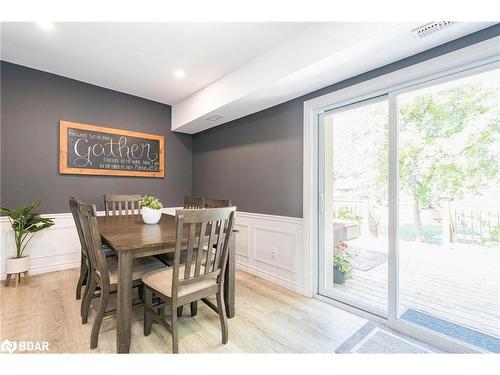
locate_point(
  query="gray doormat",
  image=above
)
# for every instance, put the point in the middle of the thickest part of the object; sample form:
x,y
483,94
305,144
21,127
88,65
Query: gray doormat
x,y
375,338
365,259
457,331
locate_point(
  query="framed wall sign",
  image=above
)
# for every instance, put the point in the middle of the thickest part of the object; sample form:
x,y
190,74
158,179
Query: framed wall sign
x,y
96,150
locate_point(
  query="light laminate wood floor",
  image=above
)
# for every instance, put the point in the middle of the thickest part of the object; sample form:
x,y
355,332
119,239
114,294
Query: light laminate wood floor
x,y
269,319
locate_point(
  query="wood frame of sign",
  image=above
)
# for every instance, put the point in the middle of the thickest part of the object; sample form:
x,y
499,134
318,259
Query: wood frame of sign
x,y
64,127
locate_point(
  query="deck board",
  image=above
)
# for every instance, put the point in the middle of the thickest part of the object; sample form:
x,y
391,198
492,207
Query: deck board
x,y
461,284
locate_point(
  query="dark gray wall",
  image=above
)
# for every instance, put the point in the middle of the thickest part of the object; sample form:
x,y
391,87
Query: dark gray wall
x,y
257,160
33,102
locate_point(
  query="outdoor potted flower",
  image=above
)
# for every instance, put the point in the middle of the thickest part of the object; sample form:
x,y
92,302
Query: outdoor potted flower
x,y
25,224
150,209
341,265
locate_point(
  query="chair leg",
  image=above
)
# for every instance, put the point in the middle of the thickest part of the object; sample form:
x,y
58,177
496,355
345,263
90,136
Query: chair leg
x,y
140,292
194,308
81,279
222,316
148,315
175,333
179,310
88,296
96,327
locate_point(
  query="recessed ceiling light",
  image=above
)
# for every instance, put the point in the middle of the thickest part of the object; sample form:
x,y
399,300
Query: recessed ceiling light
x,y
179,74
47,26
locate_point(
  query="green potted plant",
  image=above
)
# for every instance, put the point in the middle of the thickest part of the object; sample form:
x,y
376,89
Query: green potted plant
x,y
342,268
150,209
25,224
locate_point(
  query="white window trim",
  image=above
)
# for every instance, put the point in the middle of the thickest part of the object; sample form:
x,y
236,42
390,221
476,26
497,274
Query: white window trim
x,y
473,56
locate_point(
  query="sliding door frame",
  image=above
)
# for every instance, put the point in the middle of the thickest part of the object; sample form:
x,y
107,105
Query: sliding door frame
x,y
449,66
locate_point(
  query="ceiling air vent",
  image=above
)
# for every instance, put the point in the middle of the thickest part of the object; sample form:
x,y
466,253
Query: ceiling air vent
x,y
430,28
215,118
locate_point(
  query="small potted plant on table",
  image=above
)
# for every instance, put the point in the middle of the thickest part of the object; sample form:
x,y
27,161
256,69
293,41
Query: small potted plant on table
x,y
150,209
25,224
342,269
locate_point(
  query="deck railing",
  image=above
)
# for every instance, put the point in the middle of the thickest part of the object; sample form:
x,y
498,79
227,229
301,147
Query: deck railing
x,y
359,211
477,225
460,223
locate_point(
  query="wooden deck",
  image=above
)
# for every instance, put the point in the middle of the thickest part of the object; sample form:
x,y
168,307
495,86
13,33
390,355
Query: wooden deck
x,y
461,285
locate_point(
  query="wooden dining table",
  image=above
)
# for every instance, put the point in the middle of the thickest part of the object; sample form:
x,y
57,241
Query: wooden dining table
x,y
130,238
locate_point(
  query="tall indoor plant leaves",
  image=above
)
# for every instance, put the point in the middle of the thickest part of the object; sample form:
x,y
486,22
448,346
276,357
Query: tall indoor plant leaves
x,y
25,224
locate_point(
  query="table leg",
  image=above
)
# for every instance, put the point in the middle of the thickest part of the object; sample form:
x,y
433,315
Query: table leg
x,y
229,278
124,302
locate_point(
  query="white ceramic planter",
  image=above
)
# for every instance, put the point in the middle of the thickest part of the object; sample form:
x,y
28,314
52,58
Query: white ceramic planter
x,y
150,216
18,265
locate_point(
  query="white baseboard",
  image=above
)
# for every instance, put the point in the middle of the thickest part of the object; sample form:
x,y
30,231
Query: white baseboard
x,y
54,267
267,246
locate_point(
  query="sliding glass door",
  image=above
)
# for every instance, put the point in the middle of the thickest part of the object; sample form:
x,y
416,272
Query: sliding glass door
x,y
449,207
355,200
409,206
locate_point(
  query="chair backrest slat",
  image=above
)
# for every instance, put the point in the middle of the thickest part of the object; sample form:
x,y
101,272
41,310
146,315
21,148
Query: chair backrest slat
x,y
209,232
194,202
119,204
208,259
199,249
190,246
218,250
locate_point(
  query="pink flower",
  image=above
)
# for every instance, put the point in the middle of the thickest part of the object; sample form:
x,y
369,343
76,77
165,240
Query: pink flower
x,y
342,245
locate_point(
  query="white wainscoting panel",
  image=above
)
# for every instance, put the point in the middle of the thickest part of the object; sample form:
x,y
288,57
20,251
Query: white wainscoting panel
x,y
242,246
52,249
267,246
270,247
56,248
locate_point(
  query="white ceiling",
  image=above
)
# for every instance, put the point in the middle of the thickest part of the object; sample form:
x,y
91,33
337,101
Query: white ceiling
x,y
232,69
140,58
321,55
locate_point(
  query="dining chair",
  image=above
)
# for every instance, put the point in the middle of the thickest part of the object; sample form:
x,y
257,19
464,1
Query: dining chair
x,y
202,274
209,203
104,271
217,203
194,202
119,204
84,263
168,259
